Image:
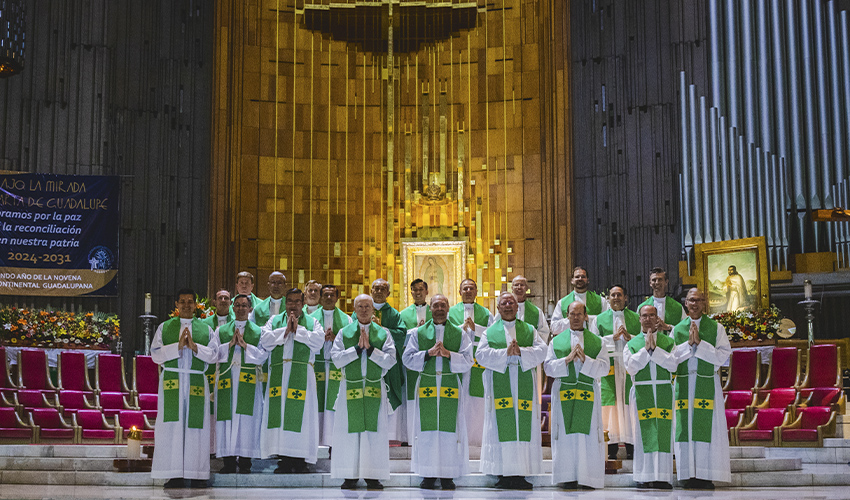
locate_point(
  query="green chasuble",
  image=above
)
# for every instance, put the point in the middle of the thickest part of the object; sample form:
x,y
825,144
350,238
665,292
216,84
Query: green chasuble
x,y
672,309
262,313
703,413
605,325
654,399
391,320
171,379
513,424
212,322
408,315
593,304
248,377
363,390
438,405
328,389
481,317
296,389
576,389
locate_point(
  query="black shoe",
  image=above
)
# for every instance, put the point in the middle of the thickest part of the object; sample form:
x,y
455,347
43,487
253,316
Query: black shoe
x,y
177,482
519,483
429,483
662,485
698,484
284,465
612,451
244,465
503,483
298,466
645,486
570,485
630,451
447,483
374,484
198,483
229,466
586,487
349,484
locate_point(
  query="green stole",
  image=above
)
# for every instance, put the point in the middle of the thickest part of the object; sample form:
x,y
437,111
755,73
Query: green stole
x,y
408,315
605,325
262,313
576,389
508,421
593,304
704,389
481,316
296,389
531,314
248,374
363,405
391,320
171,379
327,390
212,322
654,401
672,309
443,416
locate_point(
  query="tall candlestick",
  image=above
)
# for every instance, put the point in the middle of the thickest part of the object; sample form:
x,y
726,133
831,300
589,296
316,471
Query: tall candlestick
x,y
807,289
147,303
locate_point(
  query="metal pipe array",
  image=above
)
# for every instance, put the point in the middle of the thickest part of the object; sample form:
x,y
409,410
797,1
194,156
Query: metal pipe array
x,y
770,144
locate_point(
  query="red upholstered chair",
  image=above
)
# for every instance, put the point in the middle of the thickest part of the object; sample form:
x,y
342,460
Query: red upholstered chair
x,y
10,401
112,403
809,428
73,372
783,371
148,404
738,409
94,428
743,371
762,430
128,419
73,401
830,397
109,374
146,385
7,387
13,430
823,371
52,428
31,399
785,398
33,372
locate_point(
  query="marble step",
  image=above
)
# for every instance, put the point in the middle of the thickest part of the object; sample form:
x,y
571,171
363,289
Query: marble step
x,y
810,475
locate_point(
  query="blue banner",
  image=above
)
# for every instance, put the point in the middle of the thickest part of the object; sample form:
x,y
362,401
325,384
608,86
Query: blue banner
x,y
58,235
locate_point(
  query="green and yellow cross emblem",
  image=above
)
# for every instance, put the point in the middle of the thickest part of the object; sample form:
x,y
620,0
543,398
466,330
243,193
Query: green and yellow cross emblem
x,y
524,404
503,403
665,414
450,392
681,404
586,396
196,390
224,383
704,404
320,376
568,394
354,394
296,394
373,392
274,392
249,378
336,374
427,392
170,384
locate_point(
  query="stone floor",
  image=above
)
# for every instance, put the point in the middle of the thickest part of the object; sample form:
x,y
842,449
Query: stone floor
x,y
116,493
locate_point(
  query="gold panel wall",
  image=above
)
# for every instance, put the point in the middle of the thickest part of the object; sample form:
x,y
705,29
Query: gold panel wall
x,y
315,175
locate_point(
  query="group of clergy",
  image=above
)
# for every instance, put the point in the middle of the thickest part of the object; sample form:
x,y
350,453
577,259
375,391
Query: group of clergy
x,y
281,376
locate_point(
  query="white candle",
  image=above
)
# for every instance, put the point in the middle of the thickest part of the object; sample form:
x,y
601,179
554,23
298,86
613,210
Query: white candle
x,y
807,289
147,303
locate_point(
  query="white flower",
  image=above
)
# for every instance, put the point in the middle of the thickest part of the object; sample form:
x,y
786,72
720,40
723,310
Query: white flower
x,y
7,326
76,341
100,339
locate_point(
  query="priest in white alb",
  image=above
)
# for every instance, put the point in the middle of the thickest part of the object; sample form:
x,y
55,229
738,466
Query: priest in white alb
x,y
183,347
290,429
649,360
510,351
440,353
365,352
239,392
701,438
577,359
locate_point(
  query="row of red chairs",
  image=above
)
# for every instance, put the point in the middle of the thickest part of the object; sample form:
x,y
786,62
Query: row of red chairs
x,y
86,426
789,408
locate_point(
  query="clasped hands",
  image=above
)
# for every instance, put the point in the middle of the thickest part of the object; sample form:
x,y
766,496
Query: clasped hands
x,y
651,340
186,341
693,335
576,354
513,349
622,333
329,335
439,350
363,342
469,324
238,339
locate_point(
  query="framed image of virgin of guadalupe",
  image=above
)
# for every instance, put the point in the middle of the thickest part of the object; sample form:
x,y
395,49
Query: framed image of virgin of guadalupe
x,y
440,263
733,274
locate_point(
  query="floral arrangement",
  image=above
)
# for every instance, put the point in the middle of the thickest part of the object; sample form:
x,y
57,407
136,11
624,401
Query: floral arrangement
x,y
203,309
43,328
759,324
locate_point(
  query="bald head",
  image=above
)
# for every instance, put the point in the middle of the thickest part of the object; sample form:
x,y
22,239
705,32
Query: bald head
x,y
363,308
577,315
439,309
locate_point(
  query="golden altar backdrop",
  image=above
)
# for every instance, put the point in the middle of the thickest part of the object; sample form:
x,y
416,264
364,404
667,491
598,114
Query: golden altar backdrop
x,y
329,153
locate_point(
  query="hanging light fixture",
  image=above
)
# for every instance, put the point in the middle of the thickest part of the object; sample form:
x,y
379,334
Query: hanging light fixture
x,y
12,25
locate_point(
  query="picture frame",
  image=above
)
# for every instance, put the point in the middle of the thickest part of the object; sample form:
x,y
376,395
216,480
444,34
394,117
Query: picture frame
x,y
733,274
441,264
